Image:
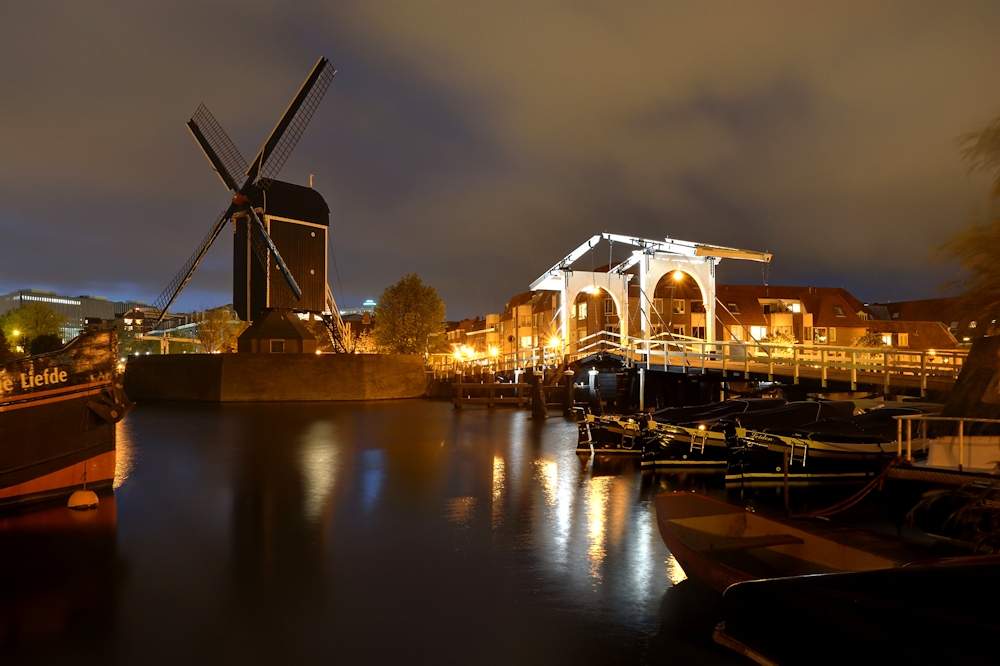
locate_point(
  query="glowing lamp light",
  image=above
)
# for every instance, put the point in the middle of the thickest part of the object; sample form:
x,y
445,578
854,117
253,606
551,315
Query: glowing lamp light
x,y
318,352
458,354
494,351
554,342
16,333
678,275
701,426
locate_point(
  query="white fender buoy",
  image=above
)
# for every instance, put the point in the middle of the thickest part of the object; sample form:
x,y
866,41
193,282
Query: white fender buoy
x,y
81,500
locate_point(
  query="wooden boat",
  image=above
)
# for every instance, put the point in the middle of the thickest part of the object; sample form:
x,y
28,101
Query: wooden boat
x,y
688,437
57,419
829,449
720,544
917,614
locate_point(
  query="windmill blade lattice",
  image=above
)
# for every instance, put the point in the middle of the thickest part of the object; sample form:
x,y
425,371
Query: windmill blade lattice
x,y
219,148
166,299
289,129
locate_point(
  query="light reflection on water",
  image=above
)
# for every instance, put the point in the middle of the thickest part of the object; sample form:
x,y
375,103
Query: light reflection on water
x,y
318,461
304,532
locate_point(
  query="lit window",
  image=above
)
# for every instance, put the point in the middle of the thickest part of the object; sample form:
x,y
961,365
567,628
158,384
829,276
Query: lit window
x,y
904,339
582,310
609,306
796,308
758,332
833,335
819,335
887,338
737,333
972,324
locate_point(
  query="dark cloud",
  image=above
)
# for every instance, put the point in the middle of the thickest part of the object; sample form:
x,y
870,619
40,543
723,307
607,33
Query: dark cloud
x,y
476,144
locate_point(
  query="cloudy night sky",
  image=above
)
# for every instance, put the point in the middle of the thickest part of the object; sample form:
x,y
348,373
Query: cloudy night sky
x,y
477,143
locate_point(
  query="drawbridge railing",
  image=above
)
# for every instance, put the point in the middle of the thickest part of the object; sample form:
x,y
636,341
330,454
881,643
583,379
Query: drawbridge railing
x,y
876,366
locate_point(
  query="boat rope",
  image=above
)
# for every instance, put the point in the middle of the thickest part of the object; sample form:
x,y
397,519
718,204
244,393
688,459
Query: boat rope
x,y
858,496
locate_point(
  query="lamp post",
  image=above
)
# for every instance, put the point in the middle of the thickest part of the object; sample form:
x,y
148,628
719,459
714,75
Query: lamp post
x,y
677,276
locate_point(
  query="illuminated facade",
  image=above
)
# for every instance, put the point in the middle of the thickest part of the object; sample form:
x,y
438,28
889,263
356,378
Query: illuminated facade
x,y
79,310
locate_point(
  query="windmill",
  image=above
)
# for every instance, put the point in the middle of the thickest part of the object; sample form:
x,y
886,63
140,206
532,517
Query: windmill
x,y
270,218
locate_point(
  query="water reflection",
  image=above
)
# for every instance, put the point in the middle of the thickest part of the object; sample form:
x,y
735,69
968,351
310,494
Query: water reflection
x,y
60,571
319,458
307,532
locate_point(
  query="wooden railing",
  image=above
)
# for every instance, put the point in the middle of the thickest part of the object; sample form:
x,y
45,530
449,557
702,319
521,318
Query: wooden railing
x,y
853,365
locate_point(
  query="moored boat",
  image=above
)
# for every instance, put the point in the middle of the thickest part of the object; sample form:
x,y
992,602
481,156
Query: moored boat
x,y
57,419
720,544
828,449
685,436
919,614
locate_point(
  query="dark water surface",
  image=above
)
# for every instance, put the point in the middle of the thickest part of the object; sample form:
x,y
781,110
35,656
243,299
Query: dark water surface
x,y
397,532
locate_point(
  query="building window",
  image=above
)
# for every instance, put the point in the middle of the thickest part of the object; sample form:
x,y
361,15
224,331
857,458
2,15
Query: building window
x,y
678,330
679,306
972,324
525,342
839,311
819,335
609,306
697,306
733,307
736,332
887,338
582,311
581,333
277,346
758,332
904,339
698,332
833,335
611,328
658,306
954,326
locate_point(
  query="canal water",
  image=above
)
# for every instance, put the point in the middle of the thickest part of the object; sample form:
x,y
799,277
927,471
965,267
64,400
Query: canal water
x,y
388,532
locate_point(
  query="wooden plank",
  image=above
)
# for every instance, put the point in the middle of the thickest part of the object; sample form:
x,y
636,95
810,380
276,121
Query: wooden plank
x,y
743,543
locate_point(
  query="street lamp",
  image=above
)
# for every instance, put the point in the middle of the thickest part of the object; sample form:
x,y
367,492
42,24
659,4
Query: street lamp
x,y
677,276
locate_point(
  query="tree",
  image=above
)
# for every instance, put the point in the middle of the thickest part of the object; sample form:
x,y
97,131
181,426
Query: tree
x,y
22,325
977,247
870,338
407,313
6,353
219,330
41,344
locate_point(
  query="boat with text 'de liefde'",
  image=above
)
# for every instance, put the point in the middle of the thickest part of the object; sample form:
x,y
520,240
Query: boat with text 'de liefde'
x,y
57,419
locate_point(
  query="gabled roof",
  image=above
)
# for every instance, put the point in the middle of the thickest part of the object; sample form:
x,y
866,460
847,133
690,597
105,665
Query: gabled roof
x,y
921,334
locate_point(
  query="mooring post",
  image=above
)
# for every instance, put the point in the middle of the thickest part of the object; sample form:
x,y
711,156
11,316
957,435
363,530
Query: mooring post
x,y
568,400
642,389
538,408
784,469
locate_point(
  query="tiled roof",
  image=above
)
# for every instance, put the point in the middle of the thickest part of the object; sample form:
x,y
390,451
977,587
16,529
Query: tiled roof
x,y
921,334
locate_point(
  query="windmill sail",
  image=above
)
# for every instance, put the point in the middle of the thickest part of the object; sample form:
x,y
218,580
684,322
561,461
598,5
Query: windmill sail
x,y
169,295
218,147
286,133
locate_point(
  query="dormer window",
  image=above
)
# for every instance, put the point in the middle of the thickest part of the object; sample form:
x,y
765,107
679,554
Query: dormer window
x,y
839,311
733,307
